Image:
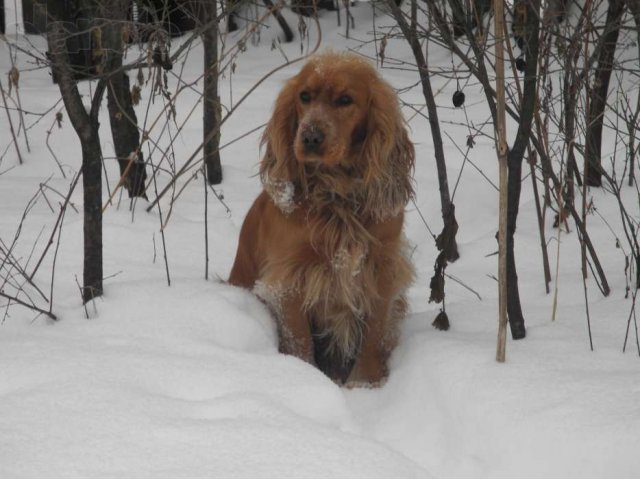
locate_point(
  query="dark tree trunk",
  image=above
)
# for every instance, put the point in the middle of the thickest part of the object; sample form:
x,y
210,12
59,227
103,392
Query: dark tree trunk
x,y
516,154
125,133
92,195
86,127
598,94
232,8
634,7
514,185
446,241
212,110
288,34
122,116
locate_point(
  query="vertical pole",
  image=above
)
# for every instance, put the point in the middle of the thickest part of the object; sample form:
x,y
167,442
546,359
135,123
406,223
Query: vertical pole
x,y
501,144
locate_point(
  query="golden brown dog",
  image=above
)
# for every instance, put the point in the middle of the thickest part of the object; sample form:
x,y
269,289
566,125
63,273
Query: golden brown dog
x,y
323,245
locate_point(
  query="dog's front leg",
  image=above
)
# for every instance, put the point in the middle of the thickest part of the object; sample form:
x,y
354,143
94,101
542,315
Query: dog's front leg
x,y
370,369
295,329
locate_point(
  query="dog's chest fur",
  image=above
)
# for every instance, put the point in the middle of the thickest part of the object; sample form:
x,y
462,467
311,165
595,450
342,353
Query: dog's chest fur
x,y
335,286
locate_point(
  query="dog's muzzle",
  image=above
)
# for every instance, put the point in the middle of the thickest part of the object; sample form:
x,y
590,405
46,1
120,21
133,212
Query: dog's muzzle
x,y
312,139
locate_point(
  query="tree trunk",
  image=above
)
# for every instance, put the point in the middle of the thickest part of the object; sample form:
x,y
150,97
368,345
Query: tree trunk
x,y
288,34
92,195
598,95
125,133
634,7
86,127
212,110
514,185
516,154
122,116
232,8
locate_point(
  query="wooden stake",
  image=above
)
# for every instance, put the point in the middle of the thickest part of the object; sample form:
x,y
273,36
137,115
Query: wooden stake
x,y
501,144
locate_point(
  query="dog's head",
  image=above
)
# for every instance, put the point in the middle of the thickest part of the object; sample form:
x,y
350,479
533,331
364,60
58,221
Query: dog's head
x,y
338,113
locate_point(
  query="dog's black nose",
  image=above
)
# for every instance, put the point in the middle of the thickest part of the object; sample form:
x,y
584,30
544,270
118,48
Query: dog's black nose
x,y
312,139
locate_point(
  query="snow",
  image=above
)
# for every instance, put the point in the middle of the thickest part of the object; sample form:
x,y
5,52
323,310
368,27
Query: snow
x,y
282,194
186,381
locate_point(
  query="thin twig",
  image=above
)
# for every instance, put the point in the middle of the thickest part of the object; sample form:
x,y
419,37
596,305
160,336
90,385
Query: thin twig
x,y
29,306
84,304
14,75
164,245
461,283
13,133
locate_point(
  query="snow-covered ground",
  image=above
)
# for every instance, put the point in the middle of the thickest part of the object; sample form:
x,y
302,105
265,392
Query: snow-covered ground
x,y
186,380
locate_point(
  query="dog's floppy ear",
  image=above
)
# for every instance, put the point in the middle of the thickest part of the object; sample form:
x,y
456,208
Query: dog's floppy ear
x,y
387,155
279,163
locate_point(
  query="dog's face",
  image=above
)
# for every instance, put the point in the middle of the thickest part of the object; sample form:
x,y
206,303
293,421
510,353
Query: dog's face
x,y
331,110
338,112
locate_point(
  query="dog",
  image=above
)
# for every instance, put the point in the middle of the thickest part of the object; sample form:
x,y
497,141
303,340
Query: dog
x,y
323,244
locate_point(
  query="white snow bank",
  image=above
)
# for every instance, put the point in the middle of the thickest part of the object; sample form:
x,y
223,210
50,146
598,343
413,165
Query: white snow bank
x,y
162,386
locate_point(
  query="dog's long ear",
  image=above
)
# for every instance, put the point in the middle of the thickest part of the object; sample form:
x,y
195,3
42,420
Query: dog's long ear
x,y
279,163
388,155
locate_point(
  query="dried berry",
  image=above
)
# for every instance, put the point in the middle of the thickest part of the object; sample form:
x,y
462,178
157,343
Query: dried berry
x,y
458,99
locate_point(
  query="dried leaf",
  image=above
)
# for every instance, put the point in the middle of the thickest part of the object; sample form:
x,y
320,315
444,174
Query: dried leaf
x,y
471,142
14,78
441,321
383,48
140,78
136,94
59,119
97,52
437,288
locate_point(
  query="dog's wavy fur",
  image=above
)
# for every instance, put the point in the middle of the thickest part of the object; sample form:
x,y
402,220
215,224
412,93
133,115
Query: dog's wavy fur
x,y
323,244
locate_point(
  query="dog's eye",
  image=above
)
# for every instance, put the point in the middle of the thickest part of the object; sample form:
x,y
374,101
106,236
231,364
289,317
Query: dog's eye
x,y
344,100
305,97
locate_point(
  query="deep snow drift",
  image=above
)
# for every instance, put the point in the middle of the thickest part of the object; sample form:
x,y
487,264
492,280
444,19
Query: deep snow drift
x,y
186,380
